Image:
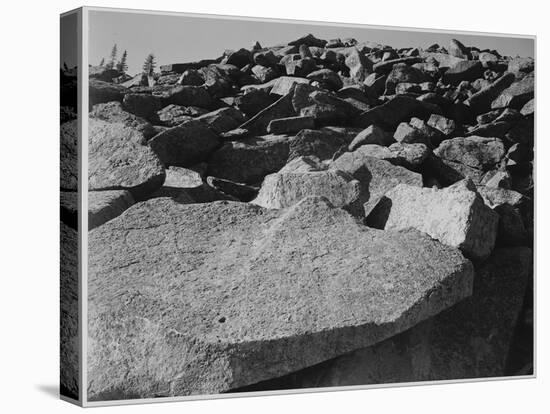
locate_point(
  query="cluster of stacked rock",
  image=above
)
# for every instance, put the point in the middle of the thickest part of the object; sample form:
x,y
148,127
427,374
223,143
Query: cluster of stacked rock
x,y
358,183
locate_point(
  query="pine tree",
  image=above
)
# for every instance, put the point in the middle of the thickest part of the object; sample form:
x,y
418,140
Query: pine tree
x,y
149,65
112,60
102,63
122,66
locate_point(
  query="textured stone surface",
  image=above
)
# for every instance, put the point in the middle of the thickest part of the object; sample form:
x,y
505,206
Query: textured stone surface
x,y
375,175
469,340
102,206
68,151
119,160
114,112
373,284
517,94
284,189
68,329
251,159
476,152
370,135
290,124
456,216
185,145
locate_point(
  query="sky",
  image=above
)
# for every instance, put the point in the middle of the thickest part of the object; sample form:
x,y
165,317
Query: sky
x,y
69,40
178,38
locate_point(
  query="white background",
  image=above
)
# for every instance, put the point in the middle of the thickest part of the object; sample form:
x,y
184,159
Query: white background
x,y
29,284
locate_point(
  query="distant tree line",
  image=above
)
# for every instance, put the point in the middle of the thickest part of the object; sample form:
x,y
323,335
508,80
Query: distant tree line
x,y
121,65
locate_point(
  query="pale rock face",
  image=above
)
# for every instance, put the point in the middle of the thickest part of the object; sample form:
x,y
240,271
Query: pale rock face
x,y
284,189
119,160
456,216
376,176
318,283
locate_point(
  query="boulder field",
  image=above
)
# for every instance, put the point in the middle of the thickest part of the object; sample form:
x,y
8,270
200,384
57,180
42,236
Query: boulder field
x,y
319,213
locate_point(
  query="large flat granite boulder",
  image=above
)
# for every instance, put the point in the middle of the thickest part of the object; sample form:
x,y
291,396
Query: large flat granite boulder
x,y
204,298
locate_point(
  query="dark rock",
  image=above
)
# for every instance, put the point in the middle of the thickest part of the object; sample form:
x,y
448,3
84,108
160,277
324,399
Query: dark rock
x,y
371,135
300,67
240,191
143,105
327,78
290,124
239,58
186,96
223,119
463,70
191,77
182,67
185,145
480,102
399,109
386,67
517,94
249,160
254,101
457,49
282,108
101,92
308,40
402,72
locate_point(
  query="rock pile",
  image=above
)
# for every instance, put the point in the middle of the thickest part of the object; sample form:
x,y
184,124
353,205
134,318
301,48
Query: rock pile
x,y
257,215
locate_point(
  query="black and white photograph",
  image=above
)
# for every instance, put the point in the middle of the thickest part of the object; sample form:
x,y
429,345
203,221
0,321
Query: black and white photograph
x,y
255,205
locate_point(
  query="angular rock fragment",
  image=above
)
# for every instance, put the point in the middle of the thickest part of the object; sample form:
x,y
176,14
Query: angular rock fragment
x,y
476,152
464,70
114,112
480,101
185,95
290,124
101,92
251,159
284,84
371,135
457,49
174,115
143,105
284,189
469,340
223,119
185,145
322,144
517,94
282,108
399,109
374,284
456,216
375,175
118,160
240,191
